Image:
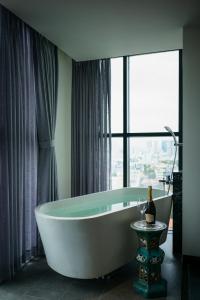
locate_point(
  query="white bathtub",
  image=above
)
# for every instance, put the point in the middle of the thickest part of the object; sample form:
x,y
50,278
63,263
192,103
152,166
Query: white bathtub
x,y
83,241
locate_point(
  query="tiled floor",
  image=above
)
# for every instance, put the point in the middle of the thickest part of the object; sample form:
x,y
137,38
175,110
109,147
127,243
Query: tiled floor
x,y
38,282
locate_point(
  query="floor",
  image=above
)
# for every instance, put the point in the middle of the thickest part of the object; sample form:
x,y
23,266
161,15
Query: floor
x,y
38,282
191,281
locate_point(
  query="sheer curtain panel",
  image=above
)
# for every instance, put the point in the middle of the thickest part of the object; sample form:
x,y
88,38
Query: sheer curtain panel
x,y
28,102
18,146
91,127
46,80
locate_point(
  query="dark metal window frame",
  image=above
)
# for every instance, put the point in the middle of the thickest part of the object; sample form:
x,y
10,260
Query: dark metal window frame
x,y
125,135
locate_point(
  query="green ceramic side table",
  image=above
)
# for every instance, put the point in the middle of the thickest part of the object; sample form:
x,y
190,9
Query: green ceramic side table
x,y
149,258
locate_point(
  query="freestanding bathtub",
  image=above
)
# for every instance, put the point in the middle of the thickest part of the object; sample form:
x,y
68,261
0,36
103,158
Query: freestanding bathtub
x,y
90,236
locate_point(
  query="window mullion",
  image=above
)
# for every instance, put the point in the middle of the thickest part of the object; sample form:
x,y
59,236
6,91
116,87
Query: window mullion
x,y
125,123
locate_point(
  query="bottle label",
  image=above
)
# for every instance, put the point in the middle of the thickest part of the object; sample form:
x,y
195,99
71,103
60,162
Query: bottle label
x,y
149,218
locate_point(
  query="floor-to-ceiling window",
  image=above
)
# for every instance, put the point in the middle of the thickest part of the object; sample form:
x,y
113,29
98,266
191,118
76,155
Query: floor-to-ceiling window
x,y
145,97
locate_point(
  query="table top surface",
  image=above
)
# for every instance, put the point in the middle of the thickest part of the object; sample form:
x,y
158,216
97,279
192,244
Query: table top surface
x,y
143,226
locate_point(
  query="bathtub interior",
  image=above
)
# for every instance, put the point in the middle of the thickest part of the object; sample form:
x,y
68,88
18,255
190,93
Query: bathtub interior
x,y
98,203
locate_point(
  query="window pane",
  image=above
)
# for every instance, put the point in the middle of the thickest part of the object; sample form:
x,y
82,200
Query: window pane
x,y
117,163
151,159
153,91
116,95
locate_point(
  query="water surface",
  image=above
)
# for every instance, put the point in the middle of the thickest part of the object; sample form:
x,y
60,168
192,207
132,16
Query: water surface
x,y
87,206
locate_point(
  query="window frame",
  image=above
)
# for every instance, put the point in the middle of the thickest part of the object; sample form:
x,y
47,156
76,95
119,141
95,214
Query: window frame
x,y
125,135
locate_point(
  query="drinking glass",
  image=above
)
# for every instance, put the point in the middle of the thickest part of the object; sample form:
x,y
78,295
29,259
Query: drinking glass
x,y
141,206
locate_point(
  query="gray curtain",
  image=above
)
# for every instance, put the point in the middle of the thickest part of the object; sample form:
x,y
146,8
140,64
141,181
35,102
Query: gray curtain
x,y
91,127
28,100
46,79
18,146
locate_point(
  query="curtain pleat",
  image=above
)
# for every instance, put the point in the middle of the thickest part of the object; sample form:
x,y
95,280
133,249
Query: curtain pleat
x,y
18,146
91,127
46,79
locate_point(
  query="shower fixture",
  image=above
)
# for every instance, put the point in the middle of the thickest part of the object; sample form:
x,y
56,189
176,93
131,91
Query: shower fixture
x,y
173,135
176,144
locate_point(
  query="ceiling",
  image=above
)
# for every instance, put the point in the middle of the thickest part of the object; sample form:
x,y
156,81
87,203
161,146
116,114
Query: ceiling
x,y
90,29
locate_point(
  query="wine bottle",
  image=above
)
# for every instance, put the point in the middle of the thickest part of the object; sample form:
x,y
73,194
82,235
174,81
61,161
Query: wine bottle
x,y
150,212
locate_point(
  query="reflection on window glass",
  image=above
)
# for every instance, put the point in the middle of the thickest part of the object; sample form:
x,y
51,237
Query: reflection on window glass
x,y
117,163
154,92
151,159
116,95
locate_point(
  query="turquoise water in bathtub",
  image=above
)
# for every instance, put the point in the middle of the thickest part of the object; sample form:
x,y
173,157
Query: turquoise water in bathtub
x,y
91,207
84,211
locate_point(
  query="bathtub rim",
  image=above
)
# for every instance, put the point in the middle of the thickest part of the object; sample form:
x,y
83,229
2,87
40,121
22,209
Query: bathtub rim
x,y
47,216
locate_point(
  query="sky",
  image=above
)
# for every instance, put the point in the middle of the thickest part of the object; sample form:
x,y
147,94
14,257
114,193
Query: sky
x,y
153,92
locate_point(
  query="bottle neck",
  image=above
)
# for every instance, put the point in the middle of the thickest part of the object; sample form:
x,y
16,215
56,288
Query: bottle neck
x,y
149,198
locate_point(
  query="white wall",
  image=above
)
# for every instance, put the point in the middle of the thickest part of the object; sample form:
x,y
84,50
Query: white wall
x,y
63,125
191,141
